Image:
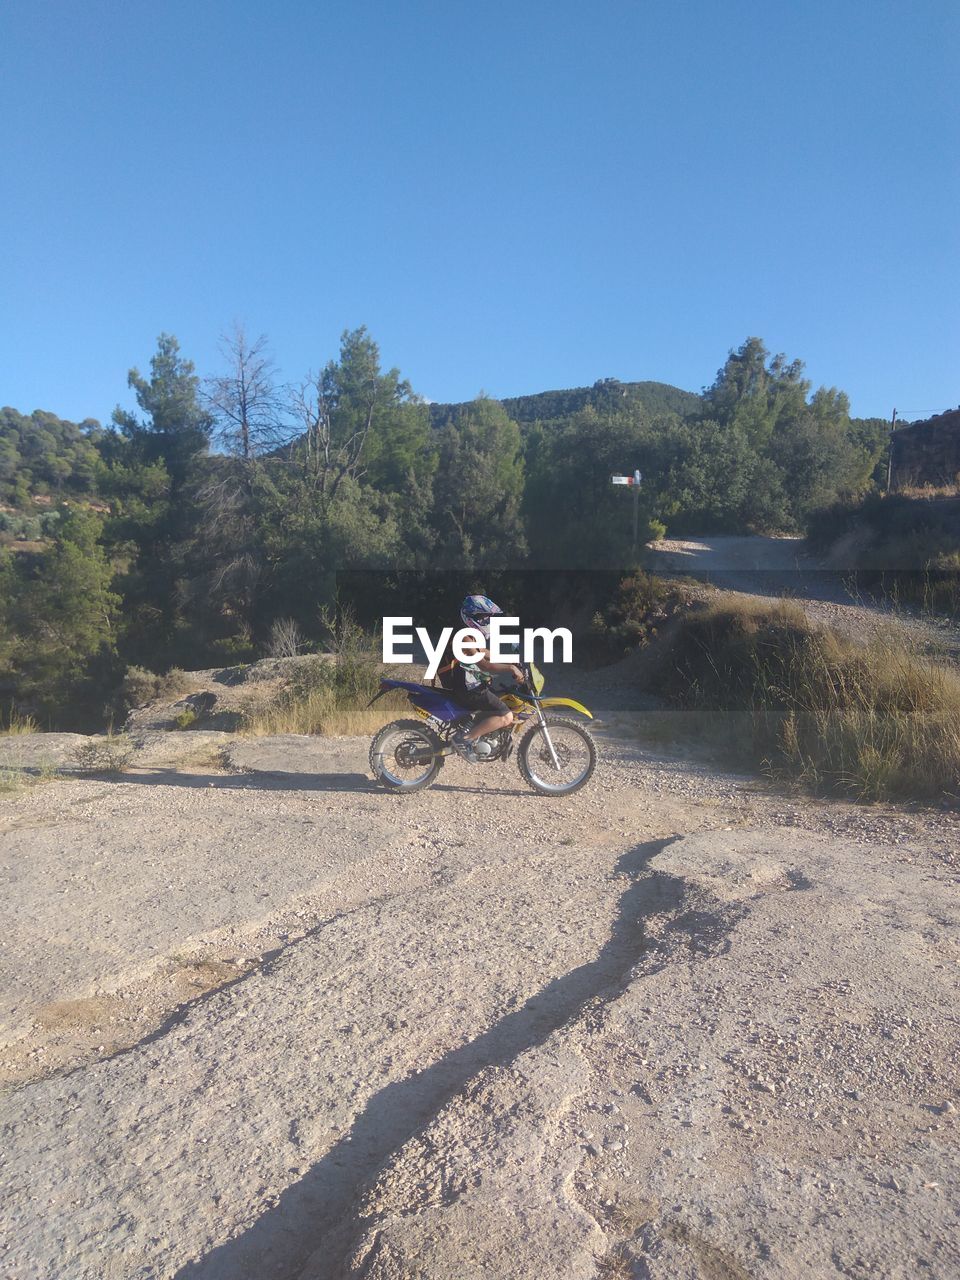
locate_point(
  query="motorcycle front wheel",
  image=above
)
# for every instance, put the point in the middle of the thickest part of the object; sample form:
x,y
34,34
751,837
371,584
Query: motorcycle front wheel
x,y
405,755
574,749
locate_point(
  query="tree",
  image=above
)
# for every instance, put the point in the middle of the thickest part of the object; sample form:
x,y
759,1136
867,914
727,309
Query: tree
x,y
177,427
43,453
756,393
64,617
479,488
245,402
359,422
574,517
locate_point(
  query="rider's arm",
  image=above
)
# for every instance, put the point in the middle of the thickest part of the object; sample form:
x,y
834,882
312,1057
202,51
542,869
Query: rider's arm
x,y
485,664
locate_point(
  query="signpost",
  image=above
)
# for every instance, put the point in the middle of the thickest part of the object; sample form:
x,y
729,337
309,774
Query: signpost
x,y
632,482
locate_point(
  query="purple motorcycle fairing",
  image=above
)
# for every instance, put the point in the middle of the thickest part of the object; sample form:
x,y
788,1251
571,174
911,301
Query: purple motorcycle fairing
x,y
432,701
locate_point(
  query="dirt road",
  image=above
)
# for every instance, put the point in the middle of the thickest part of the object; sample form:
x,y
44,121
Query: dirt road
x,y
781,566
267,1021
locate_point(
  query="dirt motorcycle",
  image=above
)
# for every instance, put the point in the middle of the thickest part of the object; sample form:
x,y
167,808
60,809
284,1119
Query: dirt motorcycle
x,y
555,754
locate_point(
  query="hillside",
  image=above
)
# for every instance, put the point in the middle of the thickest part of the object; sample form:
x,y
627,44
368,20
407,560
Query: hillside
x,y
654,397
41,453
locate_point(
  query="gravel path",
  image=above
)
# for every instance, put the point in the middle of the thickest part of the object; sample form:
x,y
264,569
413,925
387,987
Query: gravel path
x,y
269,1021
775,567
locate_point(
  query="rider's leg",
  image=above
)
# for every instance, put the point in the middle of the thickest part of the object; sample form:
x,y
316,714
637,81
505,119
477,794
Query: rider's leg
x,y
495,712
490,725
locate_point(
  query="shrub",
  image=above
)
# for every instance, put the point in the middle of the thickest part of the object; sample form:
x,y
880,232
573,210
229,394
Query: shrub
x,y
173,683
329,696
185,718
138,687
286,639
108,754
641,606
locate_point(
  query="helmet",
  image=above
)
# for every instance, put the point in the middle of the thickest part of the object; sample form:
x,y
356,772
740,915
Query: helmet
x,y
476,612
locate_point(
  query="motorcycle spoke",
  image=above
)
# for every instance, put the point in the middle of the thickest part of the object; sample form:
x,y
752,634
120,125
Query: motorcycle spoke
x,y
566,765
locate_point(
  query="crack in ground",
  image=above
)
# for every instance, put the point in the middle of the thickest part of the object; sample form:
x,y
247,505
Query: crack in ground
x,y
264,964
313,1214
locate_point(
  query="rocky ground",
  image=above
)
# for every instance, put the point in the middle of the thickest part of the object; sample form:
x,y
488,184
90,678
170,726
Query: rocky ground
x,y
262,1019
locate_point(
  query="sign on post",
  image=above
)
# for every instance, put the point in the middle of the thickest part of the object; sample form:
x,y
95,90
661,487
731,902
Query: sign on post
x,y
631,482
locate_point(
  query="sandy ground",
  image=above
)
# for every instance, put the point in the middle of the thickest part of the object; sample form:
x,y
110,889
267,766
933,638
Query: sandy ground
x,y
262,1019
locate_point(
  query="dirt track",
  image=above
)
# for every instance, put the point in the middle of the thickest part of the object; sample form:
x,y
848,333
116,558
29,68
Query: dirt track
x,y
275,1023
780,566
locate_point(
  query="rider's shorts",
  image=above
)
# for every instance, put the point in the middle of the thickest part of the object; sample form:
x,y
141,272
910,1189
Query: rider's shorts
x,y
484,700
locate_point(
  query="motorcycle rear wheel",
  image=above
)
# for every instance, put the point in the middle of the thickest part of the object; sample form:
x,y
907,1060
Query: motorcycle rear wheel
x,y
405,756
575,749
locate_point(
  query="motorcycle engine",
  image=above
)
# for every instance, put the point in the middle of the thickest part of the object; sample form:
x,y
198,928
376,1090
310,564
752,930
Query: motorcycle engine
x,y
494,746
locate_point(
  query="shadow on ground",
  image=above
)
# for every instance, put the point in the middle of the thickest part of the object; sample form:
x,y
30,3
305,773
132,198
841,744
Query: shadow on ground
x,y
263,781
315,1214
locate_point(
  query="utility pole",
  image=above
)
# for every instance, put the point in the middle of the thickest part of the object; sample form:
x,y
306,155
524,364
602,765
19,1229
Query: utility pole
x,y
632,482
893,427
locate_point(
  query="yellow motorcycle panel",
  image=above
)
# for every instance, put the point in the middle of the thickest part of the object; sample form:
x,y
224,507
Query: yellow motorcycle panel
x,y
566,702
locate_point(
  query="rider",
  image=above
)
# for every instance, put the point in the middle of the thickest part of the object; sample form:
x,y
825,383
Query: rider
x,y
469,683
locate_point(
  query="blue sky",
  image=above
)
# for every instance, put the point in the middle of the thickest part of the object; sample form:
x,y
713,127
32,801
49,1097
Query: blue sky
x,y
512,197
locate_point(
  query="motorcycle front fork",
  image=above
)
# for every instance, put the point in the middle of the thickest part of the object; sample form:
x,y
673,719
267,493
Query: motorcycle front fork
x,y
546,734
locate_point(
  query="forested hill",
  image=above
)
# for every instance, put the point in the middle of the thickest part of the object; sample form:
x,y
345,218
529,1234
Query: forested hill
x,y
43,453
608,393
223,514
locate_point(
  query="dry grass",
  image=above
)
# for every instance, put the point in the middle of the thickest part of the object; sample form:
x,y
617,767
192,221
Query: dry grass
x,y
873,721
13,779
929,490
330,698
904,546
18,724
319,712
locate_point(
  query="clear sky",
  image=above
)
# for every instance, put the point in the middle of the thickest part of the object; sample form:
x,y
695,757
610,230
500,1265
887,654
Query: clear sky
x,y
511,196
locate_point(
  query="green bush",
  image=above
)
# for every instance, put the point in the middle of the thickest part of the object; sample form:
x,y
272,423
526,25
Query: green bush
x,y
641,606
173,683
108,754
138,687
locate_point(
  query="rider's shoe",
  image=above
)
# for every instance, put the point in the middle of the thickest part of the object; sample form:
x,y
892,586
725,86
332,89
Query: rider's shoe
x,y
464,747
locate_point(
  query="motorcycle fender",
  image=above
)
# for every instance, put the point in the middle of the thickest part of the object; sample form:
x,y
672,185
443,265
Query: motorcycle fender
x,y
566,702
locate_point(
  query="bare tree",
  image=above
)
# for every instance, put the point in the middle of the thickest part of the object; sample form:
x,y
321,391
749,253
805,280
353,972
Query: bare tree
x,y
331,447
245,401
